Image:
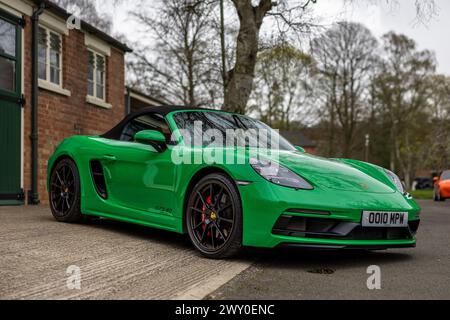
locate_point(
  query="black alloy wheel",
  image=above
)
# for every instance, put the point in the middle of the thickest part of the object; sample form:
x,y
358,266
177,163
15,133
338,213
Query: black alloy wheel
x,y
64,193
214,217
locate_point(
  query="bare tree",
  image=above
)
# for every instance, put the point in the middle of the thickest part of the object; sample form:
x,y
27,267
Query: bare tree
x,y
404,91
184,69
87,10
438,144
283,85
288,15
251,17
225,27
345,57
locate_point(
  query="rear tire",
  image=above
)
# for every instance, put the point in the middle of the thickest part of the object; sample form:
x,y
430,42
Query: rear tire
x,y
65,192
214,217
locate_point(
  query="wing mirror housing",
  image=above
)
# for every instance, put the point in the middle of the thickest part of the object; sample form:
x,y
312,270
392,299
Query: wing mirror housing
x,y
300,149
153,138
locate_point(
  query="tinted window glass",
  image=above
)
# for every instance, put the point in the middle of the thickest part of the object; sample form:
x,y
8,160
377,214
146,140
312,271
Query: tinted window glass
x,y
249,123
190,121
445,175
145,122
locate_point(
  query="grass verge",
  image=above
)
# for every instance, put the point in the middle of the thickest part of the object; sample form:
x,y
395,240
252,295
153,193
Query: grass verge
x,y
422,194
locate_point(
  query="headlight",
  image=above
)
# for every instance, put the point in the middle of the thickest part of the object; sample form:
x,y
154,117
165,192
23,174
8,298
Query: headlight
x,y
396,180
279,175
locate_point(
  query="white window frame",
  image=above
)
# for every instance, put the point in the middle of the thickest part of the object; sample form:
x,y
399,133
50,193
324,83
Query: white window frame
x,y
94,95
47,63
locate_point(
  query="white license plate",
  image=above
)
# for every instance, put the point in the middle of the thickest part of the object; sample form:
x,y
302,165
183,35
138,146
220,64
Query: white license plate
x,y
384,219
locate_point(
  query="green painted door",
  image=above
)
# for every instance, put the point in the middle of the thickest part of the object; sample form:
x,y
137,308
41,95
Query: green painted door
x,y
10,110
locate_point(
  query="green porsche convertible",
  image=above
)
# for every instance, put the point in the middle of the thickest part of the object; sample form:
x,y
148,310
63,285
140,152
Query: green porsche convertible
x,y
170,168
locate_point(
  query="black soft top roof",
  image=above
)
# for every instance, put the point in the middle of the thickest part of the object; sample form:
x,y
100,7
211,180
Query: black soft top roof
x,y
159,110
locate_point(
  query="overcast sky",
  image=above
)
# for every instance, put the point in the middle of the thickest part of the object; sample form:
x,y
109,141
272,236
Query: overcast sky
x,y
435,35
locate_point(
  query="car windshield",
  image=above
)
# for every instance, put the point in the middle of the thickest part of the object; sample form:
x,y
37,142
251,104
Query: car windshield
x,y
445,175
224,129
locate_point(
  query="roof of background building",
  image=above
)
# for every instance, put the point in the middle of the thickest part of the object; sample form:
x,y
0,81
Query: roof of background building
x,y
298,138
152,101
61,12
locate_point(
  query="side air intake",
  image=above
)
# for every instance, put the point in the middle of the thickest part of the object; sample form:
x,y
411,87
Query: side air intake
x,y
98,178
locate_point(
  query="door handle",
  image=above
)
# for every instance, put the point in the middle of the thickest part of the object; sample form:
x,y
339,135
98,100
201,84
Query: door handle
x,y
108,157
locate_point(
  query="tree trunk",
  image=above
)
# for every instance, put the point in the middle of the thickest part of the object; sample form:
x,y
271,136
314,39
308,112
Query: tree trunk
x,y
331,134
392,137
240,78
346,153
223,48
409,162
191,81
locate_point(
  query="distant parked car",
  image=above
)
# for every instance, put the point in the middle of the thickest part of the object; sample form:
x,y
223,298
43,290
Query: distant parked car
x,y
423,184
442,186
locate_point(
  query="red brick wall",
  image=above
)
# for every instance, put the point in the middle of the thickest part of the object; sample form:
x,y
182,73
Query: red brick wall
x,y
60,116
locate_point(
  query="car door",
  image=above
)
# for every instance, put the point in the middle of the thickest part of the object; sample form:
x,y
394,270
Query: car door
x,y
138,176
11,103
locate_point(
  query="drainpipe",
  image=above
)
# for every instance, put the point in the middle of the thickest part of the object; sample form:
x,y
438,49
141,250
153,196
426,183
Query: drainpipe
x,y
33,197
128,102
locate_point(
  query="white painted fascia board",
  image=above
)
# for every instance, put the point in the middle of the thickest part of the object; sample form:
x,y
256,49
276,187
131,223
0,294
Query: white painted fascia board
x,y
49,20
53,22
97,45
17,7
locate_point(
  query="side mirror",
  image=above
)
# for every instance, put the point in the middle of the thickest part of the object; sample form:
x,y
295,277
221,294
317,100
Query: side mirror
x,y
152,137
300,149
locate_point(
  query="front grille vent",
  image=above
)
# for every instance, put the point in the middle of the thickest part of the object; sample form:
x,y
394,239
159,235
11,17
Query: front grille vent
x,y
332,229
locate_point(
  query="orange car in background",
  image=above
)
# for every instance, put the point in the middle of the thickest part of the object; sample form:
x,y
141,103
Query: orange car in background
x,y
442,186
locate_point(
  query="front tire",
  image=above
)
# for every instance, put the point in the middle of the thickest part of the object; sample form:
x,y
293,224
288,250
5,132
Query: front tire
x,y
214,217
438,197
65,192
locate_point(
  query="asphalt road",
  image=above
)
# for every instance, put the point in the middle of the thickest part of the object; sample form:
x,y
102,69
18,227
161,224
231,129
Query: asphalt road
x,y
121,261
420,273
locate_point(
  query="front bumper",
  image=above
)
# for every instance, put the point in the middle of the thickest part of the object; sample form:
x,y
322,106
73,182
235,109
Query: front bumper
x,y
329,229
339,215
